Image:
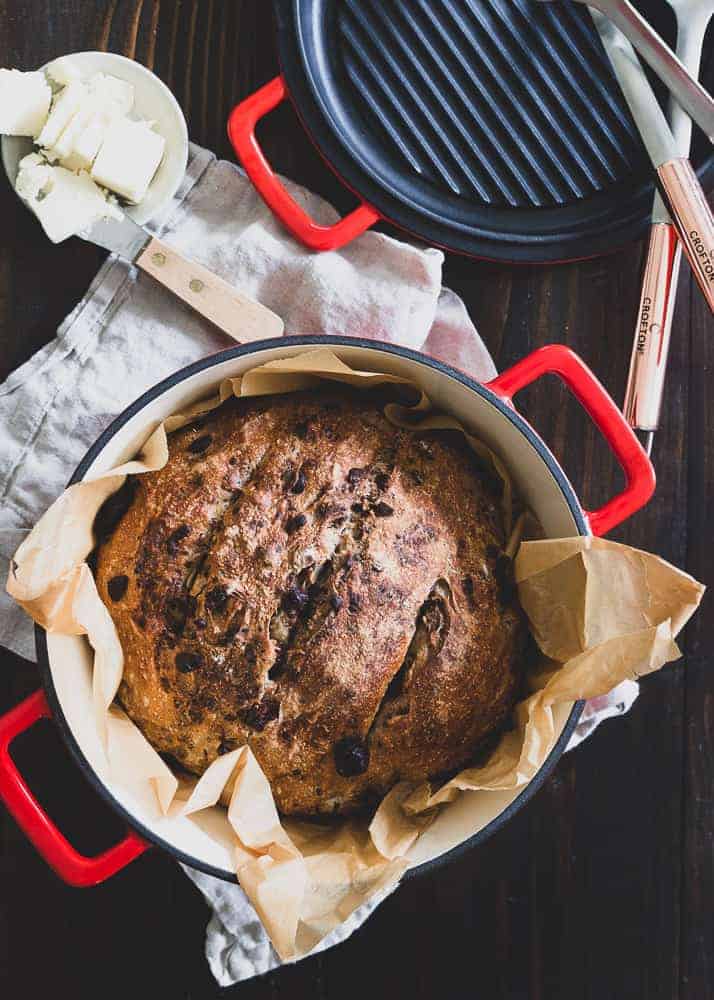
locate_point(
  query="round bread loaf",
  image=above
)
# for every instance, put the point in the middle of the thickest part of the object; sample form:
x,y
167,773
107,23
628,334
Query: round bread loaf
x,y
304,577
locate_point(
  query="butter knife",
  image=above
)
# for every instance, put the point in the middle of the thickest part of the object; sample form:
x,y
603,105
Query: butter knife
x,y
235,314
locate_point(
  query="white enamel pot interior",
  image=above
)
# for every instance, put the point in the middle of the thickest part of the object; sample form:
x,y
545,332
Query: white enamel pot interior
x,y
205,840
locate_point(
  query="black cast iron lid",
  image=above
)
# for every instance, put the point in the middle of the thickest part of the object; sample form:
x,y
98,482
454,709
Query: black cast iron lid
x,y
491,127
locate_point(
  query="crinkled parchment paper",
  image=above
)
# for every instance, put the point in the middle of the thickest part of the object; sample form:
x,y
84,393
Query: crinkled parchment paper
x,y
600,612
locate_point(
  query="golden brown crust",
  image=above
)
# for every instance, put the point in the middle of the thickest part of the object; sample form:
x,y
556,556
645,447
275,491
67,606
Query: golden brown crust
x,y
307,578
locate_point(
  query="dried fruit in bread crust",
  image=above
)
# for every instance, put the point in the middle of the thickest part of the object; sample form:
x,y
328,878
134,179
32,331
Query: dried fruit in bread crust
x,y
304,577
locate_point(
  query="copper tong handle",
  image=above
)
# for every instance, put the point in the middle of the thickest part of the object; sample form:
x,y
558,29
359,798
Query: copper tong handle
x,y
693,218
648,365
694,234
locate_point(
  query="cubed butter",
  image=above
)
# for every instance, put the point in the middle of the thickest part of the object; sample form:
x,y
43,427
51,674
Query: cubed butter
x,y
112,92
78,149
129,158
24,102
33,175
67,137
108,99
65,203
64,107
63,71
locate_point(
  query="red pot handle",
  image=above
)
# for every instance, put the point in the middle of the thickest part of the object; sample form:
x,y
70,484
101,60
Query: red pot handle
x,y
241,132
639,472
70,865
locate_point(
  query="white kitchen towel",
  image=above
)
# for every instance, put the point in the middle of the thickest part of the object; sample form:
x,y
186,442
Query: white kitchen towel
x,y
127,333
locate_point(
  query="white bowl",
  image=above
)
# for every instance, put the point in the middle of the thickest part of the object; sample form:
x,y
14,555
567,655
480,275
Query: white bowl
x,y
154,102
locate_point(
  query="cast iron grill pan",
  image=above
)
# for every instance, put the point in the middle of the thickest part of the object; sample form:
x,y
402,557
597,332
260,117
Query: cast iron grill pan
x,y
491,127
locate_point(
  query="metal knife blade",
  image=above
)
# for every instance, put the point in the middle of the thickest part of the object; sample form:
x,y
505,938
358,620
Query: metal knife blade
x,y
124,237
649,116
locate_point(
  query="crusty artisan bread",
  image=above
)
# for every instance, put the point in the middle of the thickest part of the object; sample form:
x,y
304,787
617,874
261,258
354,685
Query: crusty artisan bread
x,y
305,577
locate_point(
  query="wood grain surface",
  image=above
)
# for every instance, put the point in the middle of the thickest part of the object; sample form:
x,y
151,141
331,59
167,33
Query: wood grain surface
x,y
602,886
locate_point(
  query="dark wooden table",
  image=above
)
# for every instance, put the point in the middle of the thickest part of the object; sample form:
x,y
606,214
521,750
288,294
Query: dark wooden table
x,y
602,886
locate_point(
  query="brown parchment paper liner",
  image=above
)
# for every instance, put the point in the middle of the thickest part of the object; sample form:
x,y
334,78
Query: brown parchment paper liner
x,y
600,613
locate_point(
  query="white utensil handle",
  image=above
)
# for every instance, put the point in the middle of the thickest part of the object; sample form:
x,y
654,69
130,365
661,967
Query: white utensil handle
x,y
240,317
683,86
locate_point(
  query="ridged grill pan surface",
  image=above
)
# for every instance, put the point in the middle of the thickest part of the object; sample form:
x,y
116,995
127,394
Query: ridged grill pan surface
x,y
492,127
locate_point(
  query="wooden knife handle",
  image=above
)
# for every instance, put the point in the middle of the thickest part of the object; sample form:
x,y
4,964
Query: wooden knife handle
x,y
692,216
240,317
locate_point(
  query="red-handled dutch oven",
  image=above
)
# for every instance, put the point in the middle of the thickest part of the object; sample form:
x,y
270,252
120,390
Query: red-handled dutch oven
x,y
205,840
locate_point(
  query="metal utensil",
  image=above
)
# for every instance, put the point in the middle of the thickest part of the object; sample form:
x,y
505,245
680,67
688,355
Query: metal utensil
x,y
677,180
685,88
235,314
240,317
648,365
